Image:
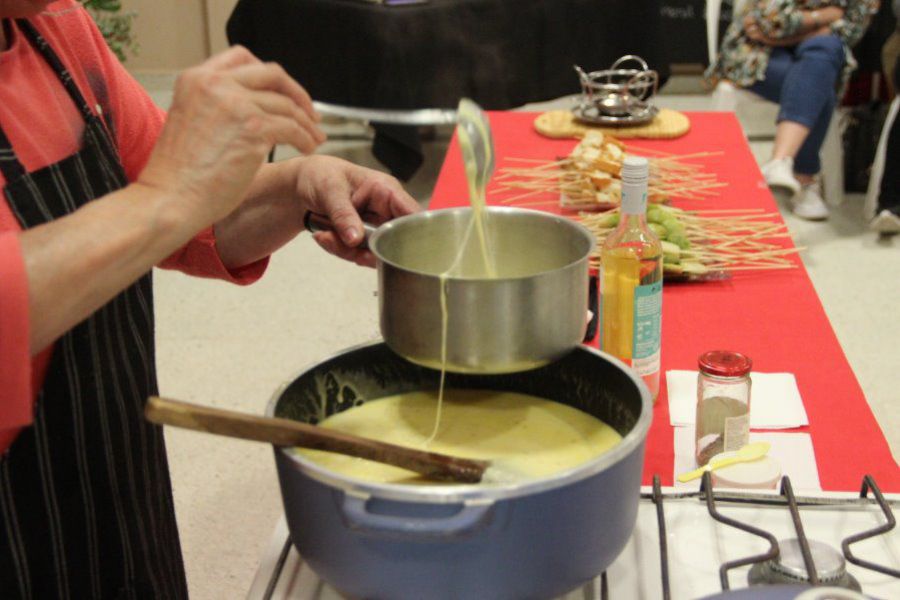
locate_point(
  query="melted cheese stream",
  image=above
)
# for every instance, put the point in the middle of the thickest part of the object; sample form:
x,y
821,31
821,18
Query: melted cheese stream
x,y
488,259
528,436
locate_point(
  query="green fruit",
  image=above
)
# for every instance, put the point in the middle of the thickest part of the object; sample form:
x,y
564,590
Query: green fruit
x,y
671,252
660,230
680,240
610,219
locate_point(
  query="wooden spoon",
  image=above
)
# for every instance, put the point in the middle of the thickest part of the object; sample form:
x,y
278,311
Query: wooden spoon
x,y
286,432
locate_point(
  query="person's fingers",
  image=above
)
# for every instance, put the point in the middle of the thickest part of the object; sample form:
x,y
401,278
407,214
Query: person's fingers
x,y
276,104
272,77
281,130
382,195
235,56
336,193
332,244
402,203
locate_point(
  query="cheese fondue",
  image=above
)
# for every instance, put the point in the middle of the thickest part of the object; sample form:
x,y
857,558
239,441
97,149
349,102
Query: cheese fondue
x,y
522,435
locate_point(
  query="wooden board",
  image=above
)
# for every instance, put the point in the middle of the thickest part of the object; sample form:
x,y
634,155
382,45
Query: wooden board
x,y
667,124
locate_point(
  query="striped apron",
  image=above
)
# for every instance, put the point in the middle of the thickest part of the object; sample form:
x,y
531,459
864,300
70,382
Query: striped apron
x,y
86,505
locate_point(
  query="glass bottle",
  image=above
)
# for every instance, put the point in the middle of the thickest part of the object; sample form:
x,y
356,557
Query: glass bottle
x,y
631,281
723,404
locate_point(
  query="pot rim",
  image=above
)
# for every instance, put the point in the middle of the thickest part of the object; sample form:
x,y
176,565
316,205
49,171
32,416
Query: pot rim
x,y
470,494
577,229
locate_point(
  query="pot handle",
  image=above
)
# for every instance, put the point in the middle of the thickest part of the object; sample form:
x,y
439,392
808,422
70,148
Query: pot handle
x,y
471,517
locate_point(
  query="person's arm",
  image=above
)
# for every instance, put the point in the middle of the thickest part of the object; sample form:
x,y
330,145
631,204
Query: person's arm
x,y
791,26
788,25
774,20
853,23
76,264
15,348
226,115
137,123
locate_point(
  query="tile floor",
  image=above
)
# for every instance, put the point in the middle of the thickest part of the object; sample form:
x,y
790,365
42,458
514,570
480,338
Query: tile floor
x,y
231,347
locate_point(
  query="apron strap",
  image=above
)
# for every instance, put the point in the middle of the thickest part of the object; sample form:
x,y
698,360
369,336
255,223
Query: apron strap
x,y
58,67
10,166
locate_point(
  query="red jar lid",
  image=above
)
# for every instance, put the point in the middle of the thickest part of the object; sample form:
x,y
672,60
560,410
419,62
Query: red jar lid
x,y
724,363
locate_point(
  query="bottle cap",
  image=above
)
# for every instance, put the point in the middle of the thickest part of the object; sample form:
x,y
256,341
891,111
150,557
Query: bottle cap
x,y
724,363
635,174
635,169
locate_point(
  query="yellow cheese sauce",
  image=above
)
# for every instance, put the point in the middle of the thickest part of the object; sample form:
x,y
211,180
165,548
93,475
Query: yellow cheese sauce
x,y
525,435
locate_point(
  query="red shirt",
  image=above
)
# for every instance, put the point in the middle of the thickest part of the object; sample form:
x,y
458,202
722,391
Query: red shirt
x,y
44,127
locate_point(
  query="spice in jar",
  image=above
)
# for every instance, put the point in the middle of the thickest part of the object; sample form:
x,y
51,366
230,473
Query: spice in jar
x,y
723,404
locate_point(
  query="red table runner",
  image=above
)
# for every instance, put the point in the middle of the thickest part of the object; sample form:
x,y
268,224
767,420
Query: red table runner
x,y
774,317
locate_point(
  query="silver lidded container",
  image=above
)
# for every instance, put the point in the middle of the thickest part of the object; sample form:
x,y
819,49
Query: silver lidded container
x,y
618,95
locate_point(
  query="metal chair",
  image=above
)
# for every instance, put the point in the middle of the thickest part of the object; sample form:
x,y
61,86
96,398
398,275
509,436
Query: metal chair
x,y
874,188
728,97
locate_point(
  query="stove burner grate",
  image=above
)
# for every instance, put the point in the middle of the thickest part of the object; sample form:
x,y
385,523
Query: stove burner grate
x,y
890,523
797,559
789,567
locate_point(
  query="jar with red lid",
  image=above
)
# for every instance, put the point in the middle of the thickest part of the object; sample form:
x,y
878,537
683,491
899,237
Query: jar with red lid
x,y
723,403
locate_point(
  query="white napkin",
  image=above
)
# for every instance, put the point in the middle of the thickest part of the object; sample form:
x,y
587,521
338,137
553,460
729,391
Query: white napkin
x,y
793,451
774,400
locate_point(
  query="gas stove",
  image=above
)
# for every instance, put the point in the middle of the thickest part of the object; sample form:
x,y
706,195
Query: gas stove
x,y
688,545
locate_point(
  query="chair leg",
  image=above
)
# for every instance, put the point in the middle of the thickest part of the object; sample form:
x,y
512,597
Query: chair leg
x,y
871,204
832,155
724,98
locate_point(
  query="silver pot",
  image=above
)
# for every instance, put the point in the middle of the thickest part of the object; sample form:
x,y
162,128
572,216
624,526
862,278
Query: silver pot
x,y
532,313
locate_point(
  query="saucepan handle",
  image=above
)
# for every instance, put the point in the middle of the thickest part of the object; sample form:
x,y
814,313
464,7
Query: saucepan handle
x,y
314,222
470,518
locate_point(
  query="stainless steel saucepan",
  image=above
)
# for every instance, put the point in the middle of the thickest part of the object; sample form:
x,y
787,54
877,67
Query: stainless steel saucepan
x,y
532,313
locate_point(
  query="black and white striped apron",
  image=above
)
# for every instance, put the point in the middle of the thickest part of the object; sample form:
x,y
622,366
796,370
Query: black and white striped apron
x,y
85,499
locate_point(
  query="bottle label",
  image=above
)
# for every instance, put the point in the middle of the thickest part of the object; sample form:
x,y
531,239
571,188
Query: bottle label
x,y
634,198
647,327
737,432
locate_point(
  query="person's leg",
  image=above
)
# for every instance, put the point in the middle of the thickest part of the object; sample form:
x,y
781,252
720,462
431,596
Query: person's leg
x,y
779,171
806,157
807,101
780,62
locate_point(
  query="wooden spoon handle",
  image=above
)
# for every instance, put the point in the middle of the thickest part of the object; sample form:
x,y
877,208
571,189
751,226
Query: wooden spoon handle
x,y
286,432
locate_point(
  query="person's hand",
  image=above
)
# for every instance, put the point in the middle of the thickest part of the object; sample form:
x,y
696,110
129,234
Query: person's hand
x,y
751,27
226,116
755,33
348,194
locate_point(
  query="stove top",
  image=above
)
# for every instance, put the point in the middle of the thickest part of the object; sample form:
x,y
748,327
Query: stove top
x,y
688,545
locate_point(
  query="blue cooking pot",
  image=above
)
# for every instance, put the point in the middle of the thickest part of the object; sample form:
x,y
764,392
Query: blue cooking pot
x,y
537,539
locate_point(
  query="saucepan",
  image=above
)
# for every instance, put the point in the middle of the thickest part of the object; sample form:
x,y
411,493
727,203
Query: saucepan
x,y
534,539
532,313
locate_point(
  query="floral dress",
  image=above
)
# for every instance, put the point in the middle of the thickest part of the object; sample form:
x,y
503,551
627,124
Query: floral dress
x,y
743,61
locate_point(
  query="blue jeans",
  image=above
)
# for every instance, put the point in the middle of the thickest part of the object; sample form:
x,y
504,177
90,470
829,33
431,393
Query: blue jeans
x,y
802,79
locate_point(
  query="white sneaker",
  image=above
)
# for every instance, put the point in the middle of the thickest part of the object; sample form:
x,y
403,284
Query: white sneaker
x,y
886,221
808,204
779,174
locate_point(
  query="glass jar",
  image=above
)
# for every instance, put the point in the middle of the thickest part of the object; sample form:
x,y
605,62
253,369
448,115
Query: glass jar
x,y
723,404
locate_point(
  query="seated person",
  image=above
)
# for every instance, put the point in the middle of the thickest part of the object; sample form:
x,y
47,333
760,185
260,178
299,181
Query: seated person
x,y
795,53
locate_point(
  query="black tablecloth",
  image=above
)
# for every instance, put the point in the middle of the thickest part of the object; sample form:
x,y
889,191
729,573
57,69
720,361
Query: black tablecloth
x,y
501,53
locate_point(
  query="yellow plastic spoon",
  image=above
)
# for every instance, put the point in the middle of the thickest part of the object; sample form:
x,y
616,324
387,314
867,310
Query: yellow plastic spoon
x,y
748,453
